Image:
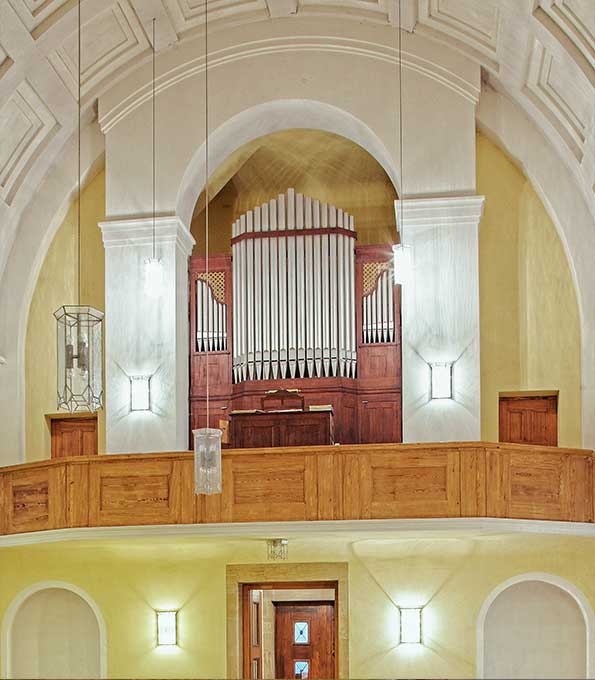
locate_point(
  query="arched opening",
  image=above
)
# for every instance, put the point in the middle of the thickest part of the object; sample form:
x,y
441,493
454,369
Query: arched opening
x,y
326,166
53,631
299,294
533,628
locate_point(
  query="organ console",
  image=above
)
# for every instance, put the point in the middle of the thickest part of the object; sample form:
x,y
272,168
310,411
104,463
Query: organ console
x,y
298,305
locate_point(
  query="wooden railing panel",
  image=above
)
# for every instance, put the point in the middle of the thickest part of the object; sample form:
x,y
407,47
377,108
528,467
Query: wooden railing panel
x,y
269,487
539,484
473,482
423,483
351,482
77,480
137,492
35,499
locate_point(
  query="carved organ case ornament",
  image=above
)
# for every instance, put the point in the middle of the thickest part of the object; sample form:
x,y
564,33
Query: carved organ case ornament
x,y
299,306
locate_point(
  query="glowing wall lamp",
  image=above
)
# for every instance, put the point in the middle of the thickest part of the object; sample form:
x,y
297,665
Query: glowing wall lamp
x,y
153,277
441,380
411,632
140,393
403,263
167,629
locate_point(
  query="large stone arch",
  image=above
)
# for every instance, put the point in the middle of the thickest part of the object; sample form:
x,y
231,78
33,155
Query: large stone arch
x,y
264,119
566,204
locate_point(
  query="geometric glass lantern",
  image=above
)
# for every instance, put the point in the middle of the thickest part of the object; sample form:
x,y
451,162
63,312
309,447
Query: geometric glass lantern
x,y
80,366
207,461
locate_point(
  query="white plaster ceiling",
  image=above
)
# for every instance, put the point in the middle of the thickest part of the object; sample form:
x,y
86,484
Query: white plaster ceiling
x,y
539,52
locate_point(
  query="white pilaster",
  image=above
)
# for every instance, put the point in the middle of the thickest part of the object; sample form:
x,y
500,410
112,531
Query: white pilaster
x,y
440,316
146,335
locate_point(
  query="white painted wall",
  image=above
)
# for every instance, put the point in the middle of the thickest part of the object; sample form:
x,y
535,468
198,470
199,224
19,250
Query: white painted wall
x,y
145,335
440,317
55,634
334,63
535,629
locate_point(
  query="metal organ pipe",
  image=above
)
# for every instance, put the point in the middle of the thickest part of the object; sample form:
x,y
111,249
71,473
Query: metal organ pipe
x,y
294,291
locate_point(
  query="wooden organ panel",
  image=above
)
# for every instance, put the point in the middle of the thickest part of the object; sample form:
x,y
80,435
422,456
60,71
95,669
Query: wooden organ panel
x,y
210,329
298,306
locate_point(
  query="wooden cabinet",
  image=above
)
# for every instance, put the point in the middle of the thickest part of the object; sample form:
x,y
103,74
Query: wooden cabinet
x,y
529,420
74,437
274,428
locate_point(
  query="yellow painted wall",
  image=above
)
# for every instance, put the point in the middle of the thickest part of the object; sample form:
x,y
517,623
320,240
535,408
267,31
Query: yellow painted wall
x,y
530,324
56,286
450,576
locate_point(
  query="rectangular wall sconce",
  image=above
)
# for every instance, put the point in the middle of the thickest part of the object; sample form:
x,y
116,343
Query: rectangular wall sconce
x,y
411,632
167,629
140,393
441,380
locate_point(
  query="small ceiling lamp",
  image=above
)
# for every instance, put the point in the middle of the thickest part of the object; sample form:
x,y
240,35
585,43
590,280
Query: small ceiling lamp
x,y
402,253
153,264
207,440
277,549
79,327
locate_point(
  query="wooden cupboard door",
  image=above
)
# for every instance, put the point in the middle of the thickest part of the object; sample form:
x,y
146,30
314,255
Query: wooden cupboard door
x,y
305,640
380,421
529,420
74,437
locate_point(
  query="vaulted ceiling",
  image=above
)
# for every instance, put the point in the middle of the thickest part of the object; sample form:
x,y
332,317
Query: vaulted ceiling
x,y
540,52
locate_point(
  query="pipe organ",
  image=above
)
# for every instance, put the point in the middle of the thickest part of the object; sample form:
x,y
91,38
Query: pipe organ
x,y
294,288
298,305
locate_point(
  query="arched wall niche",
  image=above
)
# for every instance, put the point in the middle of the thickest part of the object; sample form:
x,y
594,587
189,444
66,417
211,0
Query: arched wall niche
x,y
322,165
530,609
62,630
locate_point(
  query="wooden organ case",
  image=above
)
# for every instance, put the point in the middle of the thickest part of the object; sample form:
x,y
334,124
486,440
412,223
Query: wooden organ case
x,y
298,305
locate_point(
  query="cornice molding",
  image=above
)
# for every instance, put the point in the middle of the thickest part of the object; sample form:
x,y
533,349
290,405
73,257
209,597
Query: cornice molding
x,y
439,212
139,232
379,527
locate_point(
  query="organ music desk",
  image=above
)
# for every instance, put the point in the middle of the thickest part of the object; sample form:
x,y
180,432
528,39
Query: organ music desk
x,y
299,426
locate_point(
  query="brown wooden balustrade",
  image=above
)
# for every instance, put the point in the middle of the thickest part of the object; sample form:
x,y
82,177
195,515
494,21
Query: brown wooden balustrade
x,y
377,481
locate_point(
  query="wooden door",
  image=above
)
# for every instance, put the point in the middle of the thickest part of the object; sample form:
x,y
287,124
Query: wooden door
x,y
305,640
74,437
529,420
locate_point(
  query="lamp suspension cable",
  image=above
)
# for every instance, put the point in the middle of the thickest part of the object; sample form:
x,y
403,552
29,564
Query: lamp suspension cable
x,y
153,124
78,214
400,51
208,394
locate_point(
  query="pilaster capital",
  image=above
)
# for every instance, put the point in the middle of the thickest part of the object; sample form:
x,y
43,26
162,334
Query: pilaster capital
x,y
139,232
439,212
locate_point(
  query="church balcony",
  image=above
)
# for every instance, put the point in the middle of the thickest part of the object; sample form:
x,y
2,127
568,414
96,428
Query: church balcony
x,y
342,482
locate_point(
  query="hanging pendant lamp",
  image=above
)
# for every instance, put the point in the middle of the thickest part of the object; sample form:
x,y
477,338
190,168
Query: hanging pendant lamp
x,y
79,327
153,264
207,440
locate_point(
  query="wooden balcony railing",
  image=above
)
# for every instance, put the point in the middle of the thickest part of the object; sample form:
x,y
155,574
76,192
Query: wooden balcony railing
x,y
352,482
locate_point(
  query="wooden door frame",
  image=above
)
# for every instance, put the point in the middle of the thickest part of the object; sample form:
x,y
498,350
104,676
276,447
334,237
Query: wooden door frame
x,y
269,576
246,588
